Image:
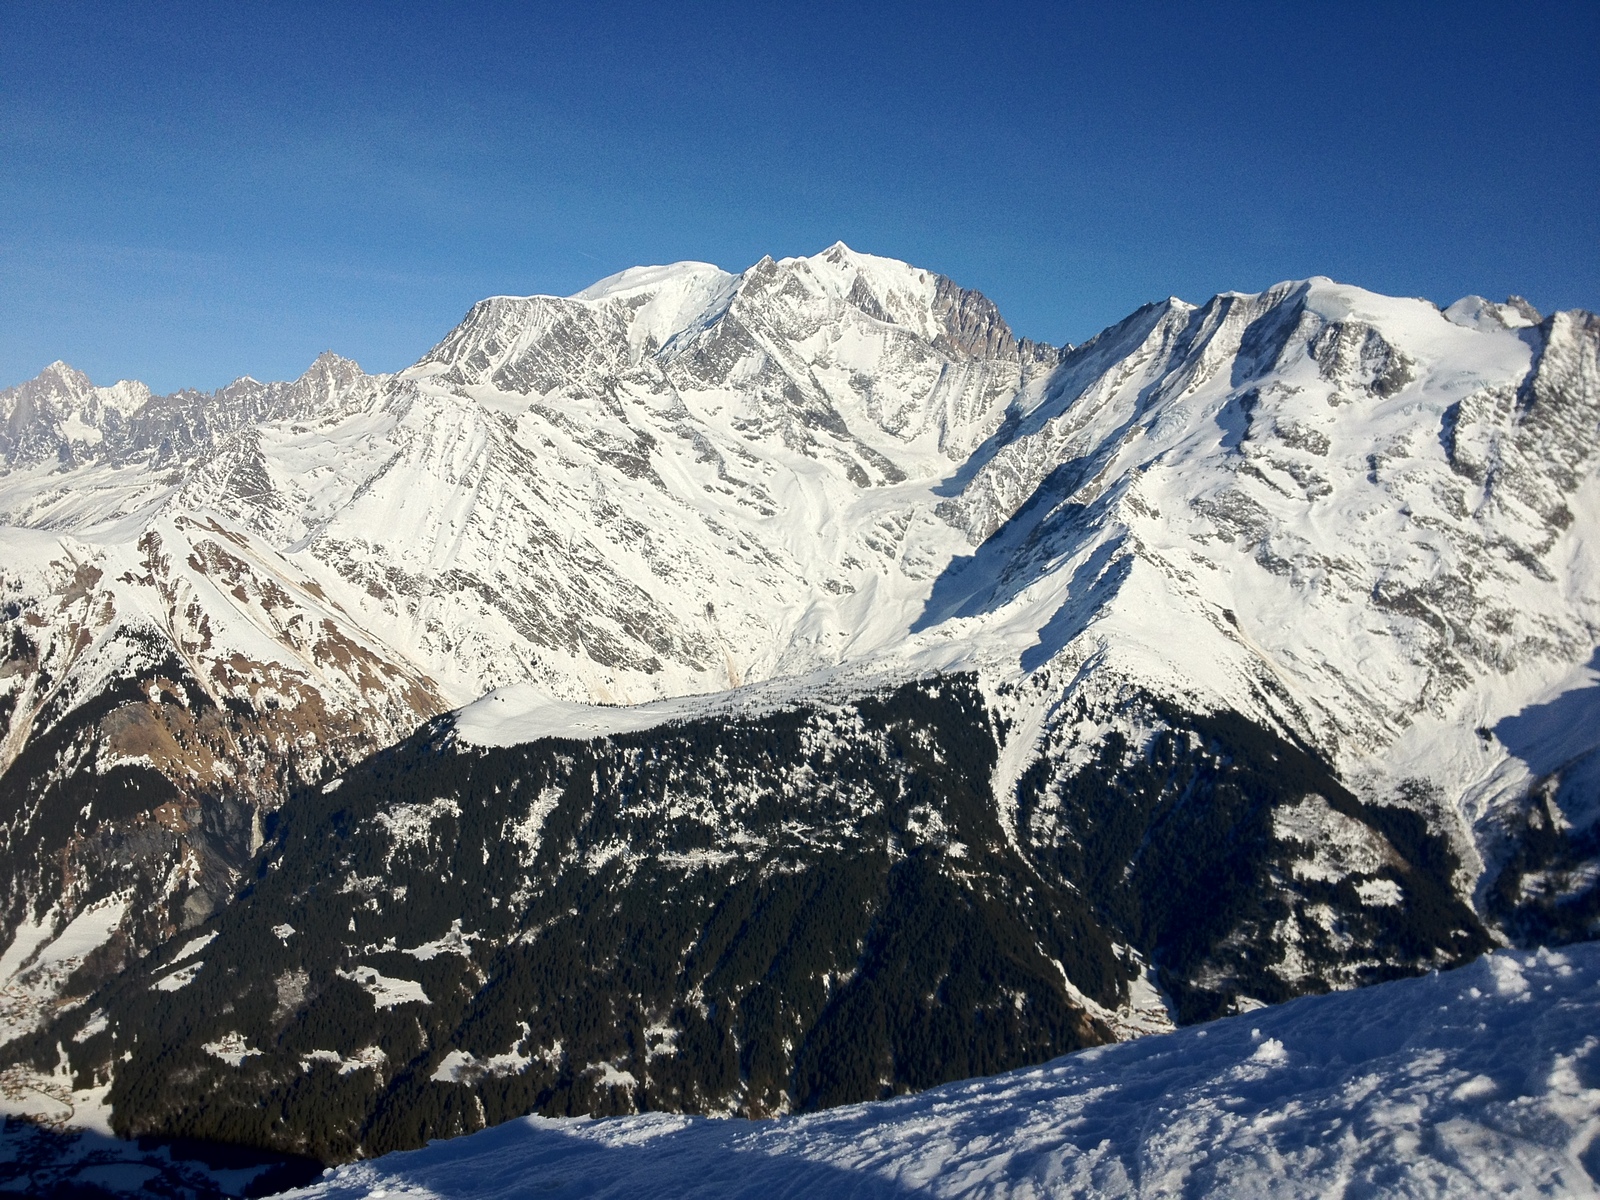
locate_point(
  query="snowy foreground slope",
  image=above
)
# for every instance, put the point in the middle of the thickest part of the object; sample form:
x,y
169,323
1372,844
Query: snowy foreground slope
x,y
1475,1082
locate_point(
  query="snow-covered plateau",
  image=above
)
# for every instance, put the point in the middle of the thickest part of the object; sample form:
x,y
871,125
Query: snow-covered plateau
x,y
1479,1082
757,693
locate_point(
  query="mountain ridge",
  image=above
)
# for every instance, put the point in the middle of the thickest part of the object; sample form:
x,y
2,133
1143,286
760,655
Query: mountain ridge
x,y
1360,526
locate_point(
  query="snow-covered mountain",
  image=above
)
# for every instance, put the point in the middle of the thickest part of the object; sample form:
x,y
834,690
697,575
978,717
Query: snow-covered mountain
x,y
1325,560
674,482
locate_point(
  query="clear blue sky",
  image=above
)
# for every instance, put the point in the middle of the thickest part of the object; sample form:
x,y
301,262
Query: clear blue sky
x,y
190,193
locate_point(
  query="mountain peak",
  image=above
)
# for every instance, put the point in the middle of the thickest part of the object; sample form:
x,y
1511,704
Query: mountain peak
x,y
58,376
1474,312
332,368
636,280
535,343
333,358
840,260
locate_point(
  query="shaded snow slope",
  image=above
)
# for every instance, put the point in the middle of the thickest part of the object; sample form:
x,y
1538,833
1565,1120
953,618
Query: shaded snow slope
x,y
1480,1081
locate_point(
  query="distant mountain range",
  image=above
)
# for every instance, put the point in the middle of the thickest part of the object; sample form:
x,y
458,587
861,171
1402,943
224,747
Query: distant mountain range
x,y
750,693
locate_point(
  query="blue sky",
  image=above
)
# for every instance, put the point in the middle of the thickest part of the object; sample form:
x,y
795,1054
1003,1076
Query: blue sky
x,y
191,193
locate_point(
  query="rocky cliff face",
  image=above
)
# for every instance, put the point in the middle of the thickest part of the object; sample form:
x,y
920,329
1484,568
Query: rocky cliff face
x,y
1249,638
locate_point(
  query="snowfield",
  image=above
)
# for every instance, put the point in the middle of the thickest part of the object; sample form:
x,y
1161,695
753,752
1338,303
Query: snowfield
x,y
1481,1081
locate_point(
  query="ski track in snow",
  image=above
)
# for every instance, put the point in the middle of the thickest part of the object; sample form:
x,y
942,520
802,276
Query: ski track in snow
x,y
1480,1081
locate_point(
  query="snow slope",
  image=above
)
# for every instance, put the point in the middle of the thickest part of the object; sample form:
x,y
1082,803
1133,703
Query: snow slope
x,y
1479,1081
1339,513
1349,517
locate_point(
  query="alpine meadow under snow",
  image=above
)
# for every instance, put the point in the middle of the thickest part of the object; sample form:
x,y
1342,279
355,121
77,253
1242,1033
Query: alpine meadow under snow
x,y
751,694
